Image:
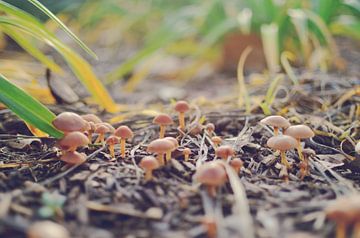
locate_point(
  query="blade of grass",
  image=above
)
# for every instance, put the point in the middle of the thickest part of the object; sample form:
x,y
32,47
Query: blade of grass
x,y
243,96
27,108
37,4
286,65
271,94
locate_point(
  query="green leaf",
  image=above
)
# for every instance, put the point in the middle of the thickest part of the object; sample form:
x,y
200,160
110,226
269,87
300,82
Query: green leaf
x,y
37,4
27,108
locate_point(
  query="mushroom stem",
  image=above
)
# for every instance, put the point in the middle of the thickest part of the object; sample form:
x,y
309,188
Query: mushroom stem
x,y
90,136
168,156
72,149
100,138
122,146
112,151
186,157
356,231
211,190
299,150
284,160
160,158
182,120
341,229
162,132
276,130
148,175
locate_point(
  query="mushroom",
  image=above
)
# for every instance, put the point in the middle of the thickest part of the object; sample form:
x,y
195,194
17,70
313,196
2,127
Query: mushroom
x,y
181,107
210,128
299,132
236,164
91,118
160,147
69,121
186,153
47,229
210,226
216,140
176,145
111,141
163,120
224,152
212,175
282,143
124,132
101,129
344,211
195,129
110,127
276,122
304,165
73,140
91,130
149,163
73,157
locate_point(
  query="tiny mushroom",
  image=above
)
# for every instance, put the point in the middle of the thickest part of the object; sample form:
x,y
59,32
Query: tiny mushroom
x,y
111,141
91,130
160,147
224,152
69,121
282,143
181,107
276,122
163,120
101,129
186,153
124,132
47,229
73,157
195,129
149,163
176,145
212,175
299,132
109,126
345,211
216,140
91,118
236,164
73,140
210,128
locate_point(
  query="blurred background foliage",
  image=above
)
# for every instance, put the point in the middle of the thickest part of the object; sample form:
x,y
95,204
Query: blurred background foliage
x,y
199,33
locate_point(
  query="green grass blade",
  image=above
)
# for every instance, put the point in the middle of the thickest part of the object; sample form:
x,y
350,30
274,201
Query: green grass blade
x,y
27,108
37,4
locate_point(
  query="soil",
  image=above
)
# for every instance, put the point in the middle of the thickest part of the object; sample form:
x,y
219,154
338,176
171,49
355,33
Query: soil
x,y
105,198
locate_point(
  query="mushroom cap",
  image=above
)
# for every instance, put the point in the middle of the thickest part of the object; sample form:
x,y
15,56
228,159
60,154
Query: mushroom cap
x,y
160,146
211,173
236,163
110,127
101,129
187,151
224,151
47,229
173,140
357,148
299,132
124,132
112,140
69,121
346,208
195,129
91,118
92,126
182,106
216,139
282,142
149,163
163,120
73,157
210,127
72,139
276,121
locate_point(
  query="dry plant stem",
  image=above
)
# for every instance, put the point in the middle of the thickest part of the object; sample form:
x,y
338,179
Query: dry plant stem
x,y
299,150
211,190
122,146
276,130
162,132
182,121
284,160
341,229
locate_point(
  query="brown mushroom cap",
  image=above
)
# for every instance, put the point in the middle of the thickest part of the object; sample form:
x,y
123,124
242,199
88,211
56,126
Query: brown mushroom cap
x,y
236,163
187,151
101,129
224,151
73,139
124,132
73,157
47,229
210,127
110,127
173,140
149,163
282,142
91,118
346,208
69,121
216,139
211,173
112,140
299,132
181,106
276,121
160,146
163,120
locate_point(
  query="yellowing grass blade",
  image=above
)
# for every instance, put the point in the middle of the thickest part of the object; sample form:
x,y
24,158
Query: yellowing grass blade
x,y
27,108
